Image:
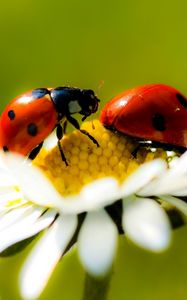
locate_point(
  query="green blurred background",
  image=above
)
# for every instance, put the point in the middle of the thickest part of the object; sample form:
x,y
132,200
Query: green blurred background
x,y
117,45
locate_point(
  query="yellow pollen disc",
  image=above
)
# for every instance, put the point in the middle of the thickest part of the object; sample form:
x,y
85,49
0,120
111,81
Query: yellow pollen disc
x,y
87,162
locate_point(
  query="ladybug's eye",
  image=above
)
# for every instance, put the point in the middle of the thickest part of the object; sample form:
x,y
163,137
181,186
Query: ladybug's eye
x,y
89,93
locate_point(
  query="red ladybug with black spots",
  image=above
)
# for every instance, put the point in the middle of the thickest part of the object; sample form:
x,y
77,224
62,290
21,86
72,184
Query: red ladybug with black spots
x,y
153,114
31,117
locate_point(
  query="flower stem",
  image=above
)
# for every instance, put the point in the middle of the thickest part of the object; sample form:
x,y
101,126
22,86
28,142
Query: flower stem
x,y
96,289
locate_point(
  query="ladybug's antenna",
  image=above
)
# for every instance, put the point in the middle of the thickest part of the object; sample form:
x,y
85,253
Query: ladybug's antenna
x,y
100,86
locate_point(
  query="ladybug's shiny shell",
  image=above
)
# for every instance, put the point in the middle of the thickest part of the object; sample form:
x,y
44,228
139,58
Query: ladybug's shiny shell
x,y
26,122
153,112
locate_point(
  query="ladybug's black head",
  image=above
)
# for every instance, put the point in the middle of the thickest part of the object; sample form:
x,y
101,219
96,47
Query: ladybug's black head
x,y
88,103
70,100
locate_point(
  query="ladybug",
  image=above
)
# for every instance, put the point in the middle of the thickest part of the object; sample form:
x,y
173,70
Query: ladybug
x,y
31,117
154,114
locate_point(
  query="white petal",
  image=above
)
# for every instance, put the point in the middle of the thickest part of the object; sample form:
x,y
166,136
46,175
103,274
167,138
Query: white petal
x,y
97,242
180,166
36,187
180,193
100,193
50,142
6,180
173,185
11,161
165,185
172,181
12,216
7,206
142,176
146,224
178,203
44,257
11,196
25,228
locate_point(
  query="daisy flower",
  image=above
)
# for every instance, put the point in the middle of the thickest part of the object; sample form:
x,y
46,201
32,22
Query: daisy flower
x,y
103,192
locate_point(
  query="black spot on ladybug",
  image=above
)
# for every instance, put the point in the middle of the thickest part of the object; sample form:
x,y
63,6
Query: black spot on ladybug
x,y
158,122
182,100
32,129
5,149
39,93
11,114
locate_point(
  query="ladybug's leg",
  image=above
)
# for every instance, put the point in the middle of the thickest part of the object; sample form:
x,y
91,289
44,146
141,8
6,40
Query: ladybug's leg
x,y
90,137
35,151
154,144
135,151
59,134
76,125
166,147
64,127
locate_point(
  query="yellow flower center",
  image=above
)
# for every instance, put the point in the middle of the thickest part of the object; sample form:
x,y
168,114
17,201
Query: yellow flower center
x,y
87,162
